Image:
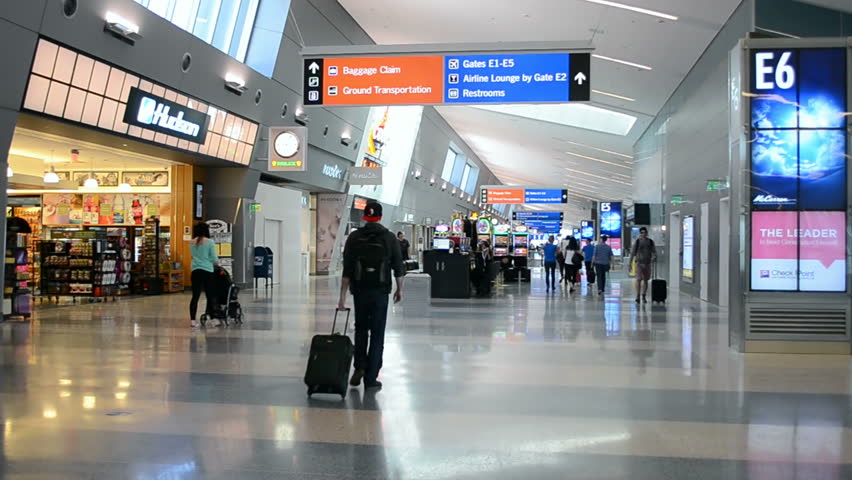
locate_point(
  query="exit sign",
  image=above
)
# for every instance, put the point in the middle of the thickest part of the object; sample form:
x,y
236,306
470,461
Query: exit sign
x,y
255,207
717,185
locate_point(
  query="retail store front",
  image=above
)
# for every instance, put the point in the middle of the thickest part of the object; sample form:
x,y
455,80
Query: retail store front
x,y
108,199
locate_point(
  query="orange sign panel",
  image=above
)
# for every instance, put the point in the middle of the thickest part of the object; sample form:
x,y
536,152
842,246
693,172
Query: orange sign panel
x,y
383,80
505,195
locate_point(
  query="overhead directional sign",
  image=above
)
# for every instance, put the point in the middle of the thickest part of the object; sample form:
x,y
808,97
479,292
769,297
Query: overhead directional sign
x,y
434,77
496,194
541,216
518,78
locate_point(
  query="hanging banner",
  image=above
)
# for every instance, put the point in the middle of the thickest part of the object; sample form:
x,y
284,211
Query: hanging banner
x,y
330,208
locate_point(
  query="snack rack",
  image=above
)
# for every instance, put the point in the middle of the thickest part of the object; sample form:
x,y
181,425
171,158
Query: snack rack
x,y
17,276
79,268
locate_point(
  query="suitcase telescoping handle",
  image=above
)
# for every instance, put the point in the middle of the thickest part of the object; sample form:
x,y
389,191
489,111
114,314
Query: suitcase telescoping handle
x,y
334,325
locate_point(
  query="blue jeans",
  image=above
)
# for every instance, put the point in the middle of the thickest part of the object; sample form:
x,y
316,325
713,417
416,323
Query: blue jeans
x,y
371,316
550,274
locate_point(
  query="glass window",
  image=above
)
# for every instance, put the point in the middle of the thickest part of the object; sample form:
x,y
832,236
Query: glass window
x,y
470,185
228,25
184,14
228,14
205,20
449,162
465,176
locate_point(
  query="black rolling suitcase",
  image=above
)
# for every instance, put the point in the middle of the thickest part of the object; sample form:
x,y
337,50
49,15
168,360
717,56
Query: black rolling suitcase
x,y
329,361
659,288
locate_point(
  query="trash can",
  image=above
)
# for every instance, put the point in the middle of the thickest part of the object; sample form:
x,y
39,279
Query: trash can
x,y
262,264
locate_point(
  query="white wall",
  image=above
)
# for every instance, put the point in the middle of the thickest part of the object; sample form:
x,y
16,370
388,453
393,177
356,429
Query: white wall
x,y
286,205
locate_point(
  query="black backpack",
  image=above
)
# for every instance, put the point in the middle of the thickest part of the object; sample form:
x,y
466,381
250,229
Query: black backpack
x,y
577,259
372,257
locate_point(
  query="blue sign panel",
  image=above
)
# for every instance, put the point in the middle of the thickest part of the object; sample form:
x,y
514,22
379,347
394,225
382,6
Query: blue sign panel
x,y
798,140
587,229
545,195
527,216
516,78
611,222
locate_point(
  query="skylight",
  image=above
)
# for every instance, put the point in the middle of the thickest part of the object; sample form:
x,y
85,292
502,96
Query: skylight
x,y
579,115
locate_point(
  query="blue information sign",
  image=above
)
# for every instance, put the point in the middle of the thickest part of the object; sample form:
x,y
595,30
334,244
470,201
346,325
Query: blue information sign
x,y
527,216
545,195
516,78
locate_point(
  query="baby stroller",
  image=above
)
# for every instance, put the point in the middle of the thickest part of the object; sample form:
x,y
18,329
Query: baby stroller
x,y
227,297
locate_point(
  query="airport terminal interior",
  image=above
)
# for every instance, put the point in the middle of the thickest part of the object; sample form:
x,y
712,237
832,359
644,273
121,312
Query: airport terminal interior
x,y
613,239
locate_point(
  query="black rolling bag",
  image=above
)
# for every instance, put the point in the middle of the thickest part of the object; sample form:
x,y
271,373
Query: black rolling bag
x,y
329,361
659,288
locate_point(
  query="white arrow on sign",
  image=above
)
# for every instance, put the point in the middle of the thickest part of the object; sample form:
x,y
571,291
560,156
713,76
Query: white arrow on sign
x,y
313,67
580,78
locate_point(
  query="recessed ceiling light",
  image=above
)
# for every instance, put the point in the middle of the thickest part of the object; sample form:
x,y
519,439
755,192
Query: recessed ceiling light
x,y
645,11
623,62
630,157
598,160
621,97
597,176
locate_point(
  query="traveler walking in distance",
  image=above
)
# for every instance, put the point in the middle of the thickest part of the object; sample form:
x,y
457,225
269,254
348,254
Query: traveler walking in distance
x,y
404,245
602,259
588,256
645,253
550,263
370,256
573,262
204,259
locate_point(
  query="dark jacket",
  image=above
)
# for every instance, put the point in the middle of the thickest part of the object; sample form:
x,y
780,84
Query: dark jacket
x,y
394,254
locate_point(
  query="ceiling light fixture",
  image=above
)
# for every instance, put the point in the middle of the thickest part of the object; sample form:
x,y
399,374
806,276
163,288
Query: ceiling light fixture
x,y
121,28
345,138
235,84
598,160
645,11
9,171
623,62
630,157
301,117
50,176
621,97
91,182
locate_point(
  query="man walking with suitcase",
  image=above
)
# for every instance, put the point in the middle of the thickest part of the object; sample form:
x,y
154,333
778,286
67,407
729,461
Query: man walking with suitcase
x,y
372,253
645,253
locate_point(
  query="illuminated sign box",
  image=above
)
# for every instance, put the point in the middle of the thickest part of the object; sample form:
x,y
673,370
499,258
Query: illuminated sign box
x,y
433,75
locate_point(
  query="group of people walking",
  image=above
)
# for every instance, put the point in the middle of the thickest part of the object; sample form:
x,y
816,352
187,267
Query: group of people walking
x,y
598,259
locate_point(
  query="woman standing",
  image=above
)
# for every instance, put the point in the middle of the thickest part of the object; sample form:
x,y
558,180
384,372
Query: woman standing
x,y
204,259
571,265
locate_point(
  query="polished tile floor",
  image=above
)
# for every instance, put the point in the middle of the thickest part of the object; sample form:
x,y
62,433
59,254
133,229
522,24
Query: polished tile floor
x,y
526,385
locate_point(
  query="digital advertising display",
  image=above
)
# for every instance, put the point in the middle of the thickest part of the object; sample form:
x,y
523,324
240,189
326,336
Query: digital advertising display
x,y
688,249
798,141
587,229
611,224
798,170
798,251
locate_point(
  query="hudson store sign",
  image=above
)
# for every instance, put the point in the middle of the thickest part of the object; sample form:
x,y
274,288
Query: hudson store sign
x,y
158,114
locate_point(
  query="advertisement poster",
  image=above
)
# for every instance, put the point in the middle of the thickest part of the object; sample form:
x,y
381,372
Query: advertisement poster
x,y
587,229
121,209
807,253
611,222
794,168
688,262
330,208
388,144
822,251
